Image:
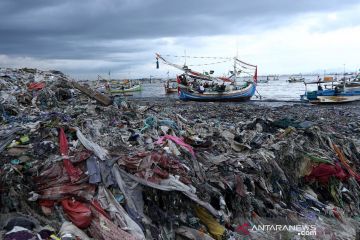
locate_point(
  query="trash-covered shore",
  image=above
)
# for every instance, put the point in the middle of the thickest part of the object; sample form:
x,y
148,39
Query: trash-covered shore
x,y
79,166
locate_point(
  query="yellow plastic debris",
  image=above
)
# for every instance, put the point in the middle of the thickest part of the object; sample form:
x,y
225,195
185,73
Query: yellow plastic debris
x,y
215,228
54,237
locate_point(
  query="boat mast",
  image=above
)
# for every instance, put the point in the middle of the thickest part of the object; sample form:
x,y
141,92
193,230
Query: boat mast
x,y
237,55
344,78
235,71
185,57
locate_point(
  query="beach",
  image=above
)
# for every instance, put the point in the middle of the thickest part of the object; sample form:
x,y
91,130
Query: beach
x,y
189,170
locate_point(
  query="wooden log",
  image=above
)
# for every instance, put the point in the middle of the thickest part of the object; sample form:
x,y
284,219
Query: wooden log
x,y
101,98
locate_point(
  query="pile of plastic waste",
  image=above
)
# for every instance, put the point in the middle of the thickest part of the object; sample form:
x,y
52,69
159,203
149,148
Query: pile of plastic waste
x,y
75,167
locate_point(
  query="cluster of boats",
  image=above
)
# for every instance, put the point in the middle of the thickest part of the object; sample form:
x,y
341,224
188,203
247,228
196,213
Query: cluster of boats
x,y
268,79
196,86
241,85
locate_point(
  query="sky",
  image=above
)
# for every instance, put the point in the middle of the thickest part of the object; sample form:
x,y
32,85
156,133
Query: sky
x,y
87,38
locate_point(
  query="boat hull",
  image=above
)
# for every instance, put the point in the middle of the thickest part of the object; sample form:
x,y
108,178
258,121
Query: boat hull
x,y
331,96
338,99
234,96
296,80
171,90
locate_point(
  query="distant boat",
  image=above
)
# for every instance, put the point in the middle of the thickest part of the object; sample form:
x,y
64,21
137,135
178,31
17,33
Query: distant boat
x,y
330,91
268,78
116,86
357,77
171,86
195,86
352,77
263,80
295,79
124,89
273,77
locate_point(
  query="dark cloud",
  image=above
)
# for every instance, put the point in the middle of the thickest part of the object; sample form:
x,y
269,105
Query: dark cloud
x,y
68,29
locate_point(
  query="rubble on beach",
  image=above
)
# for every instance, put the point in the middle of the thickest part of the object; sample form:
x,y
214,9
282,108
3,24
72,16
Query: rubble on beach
x,y
76,164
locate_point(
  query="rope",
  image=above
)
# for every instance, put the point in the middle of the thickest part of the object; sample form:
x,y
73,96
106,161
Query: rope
x,y
239,63
247,64
258,93
177,56
205,64
250,74
246,67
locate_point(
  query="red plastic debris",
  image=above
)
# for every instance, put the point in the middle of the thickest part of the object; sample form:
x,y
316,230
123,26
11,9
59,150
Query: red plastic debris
x,y
36,86
324,171
73,172
78,212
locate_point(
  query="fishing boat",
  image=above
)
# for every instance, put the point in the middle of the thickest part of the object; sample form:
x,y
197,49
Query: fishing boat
x,y
116,86
355,77
171,86
234,95
126,88
196,86
295,79
263,80
331,91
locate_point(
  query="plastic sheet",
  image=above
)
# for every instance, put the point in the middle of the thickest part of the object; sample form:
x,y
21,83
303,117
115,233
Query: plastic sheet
x,y
213,226
323,172
171,185
117,211
36,86
102,228
192,234
178,141
69,228
344,161
98,151
78,212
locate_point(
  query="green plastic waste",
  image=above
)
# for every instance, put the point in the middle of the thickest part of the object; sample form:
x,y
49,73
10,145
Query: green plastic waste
x,y
24,139
15,161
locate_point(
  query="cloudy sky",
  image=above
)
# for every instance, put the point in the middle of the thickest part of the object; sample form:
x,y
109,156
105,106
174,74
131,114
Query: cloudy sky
x,y
87,38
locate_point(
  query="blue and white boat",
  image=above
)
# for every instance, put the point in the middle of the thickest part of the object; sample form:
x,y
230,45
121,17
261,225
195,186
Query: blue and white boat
x,y
332,92
195,86
234,94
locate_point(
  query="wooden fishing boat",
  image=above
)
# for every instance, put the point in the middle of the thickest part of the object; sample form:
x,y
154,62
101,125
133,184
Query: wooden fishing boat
x,y
341,98
116,86
171,86
332,92
124,89
195,86
295,79
237,94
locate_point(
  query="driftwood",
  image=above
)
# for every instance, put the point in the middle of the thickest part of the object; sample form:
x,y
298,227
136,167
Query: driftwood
x,y
101,98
